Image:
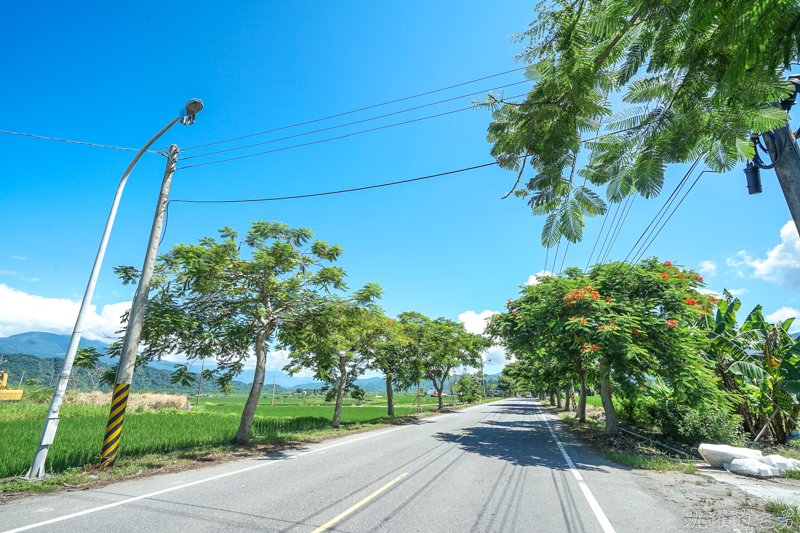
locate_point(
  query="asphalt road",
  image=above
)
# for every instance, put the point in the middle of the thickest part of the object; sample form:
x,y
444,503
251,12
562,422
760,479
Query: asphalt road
x,y
502,467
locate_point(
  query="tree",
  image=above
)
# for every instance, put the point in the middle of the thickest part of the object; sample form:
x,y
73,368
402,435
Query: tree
x,y
491,385
698,73
358,394
468,388
215,299
625,323
392,357
506,383
88,360
438,346
337,341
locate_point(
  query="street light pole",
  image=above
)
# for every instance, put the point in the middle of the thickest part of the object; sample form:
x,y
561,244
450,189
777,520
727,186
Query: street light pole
x,y
37,470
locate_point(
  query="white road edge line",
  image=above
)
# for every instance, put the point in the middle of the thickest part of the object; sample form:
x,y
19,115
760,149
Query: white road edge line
x,y
198,482
598,512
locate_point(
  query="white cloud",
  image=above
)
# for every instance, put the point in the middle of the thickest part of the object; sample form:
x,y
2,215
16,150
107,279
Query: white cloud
x,y
709,268
708,292
738,292
782,264
782,314
21,312
474,322
20,258
534,278
16,275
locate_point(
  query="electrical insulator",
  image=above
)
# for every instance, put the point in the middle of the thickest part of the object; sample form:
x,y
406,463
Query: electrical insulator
x,y
753,175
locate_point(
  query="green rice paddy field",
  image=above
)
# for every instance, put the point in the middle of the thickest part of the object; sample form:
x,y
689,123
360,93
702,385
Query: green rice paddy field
x,y
80,431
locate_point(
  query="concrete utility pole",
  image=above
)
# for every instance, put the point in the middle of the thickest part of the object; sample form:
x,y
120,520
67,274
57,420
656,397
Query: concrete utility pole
x,y
37,470
127,362
787,168
785,157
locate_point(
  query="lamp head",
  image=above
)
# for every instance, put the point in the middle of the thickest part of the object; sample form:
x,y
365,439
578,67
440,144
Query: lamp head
x,y
192,107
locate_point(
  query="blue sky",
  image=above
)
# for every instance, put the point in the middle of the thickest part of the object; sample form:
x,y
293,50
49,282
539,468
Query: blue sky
x,y
111,74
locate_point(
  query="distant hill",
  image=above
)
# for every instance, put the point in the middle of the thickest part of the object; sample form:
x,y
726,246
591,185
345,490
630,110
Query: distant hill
x,y
46,370
44,345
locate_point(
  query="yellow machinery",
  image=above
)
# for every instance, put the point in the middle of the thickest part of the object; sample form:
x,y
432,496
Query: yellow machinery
x,y
8,395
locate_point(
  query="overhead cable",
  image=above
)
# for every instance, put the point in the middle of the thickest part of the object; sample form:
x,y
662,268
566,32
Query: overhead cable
x,y
351,123
335,192
355,110
76,142
331,138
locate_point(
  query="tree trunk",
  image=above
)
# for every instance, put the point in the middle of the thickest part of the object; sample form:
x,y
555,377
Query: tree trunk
x,y
582,400
612,424
389,395
558,397
246,423
779,430
552,396
440,389
337,412
568,399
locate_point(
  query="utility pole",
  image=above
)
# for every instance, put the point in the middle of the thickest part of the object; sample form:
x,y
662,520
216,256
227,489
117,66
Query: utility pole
x,y
199,382
785,156
37,471
127,362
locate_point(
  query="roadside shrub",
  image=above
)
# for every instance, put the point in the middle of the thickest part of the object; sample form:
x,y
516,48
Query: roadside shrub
x,y
683,423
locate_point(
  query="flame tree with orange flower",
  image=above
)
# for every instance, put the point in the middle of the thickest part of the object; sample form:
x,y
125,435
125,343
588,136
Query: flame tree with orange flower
x,y
620,323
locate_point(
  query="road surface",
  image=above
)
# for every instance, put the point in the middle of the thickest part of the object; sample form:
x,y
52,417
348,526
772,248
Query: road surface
x,y
501,467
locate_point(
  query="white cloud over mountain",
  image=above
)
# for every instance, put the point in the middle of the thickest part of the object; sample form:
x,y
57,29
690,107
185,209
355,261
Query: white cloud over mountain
x,y
782,314
21,312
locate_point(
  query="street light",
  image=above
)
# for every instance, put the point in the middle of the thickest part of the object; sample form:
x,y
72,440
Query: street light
x,y
37,470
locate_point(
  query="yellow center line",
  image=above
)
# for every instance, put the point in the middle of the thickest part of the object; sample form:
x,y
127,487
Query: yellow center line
x,y
329,523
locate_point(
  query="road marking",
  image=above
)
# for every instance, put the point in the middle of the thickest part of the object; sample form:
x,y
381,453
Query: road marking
x,y
198,482
598,512
329,523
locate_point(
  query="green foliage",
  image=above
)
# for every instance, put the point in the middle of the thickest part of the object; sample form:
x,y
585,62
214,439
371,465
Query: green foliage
x,y
697,74
468,388
358,393
693,426
80,434
620,323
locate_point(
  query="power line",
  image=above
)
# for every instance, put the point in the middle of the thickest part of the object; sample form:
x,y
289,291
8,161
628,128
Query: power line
x,y
666,205
610,230
331,138
335,192
605,219
76,142
356,110
673,212
352,123
166,214
626,209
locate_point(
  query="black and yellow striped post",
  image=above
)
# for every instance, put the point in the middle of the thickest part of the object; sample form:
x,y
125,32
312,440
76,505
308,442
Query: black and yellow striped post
x,y
127,360
108,454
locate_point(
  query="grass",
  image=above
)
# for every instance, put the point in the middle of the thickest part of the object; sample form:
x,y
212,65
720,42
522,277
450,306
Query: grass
x,y
649,459
146,433
787,513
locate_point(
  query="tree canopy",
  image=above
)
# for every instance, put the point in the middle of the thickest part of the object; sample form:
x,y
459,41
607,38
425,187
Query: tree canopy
x,y
224,299
696,74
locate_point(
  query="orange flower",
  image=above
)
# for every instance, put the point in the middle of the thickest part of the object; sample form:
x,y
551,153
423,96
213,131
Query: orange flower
x,y
667,263
671,324
691,301
664,275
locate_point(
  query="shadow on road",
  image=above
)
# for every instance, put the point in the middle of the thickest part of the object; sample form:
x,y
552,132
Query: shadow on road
x,y
514,435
